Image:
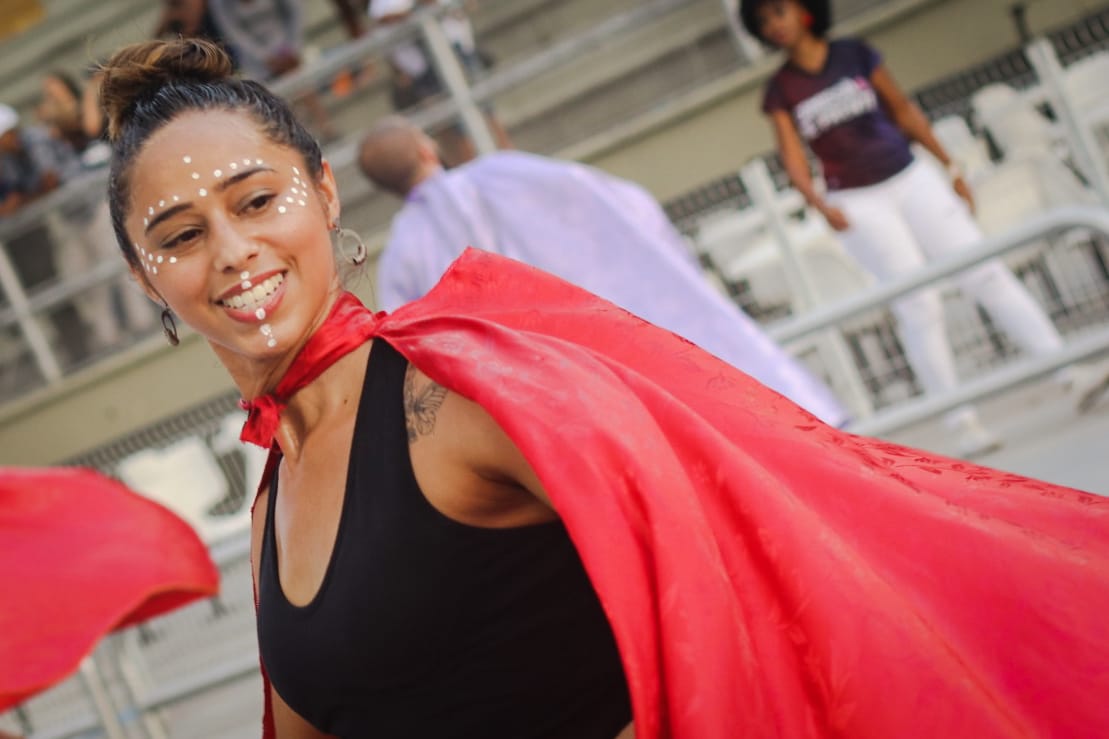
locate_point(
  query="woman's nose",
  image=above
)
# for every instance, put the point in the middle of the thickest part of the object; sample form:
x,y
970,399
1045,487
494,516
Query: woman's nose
x,y
234,249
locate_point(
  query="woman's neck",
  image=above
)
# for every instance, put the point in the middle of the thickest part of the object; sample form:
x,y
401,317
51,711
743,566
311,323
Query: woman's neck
x,y
810,54
312,404
322,402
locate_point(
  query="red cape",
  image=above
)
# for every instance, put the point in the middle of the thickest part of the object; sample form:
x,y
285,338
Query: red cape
x,y
81,555
767,575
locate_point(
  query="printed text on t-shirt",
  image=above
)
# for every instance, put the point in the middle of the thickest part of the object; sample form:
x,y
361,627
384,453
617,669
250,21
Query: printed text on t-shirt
x,y
841,102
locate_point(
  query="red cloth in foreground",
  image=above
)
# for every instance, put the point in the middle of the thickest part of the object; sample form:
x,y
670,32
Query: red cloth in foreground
x,y
767,575
80,556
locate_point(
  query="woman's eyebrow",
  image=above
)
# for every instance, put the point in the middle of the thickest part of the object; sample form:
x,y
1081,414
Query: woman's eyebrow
x,y
236,178
218,187
167,213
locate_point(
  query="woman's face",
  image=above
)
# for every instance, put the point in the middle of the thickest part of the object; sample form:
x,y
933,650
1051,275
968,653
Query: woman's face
x,y
58,106
782,22
232,233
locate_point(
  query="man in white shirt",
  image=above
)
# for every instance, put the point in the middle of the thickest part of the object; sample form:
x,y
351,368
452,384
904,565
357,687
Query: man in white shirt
x,y
601,233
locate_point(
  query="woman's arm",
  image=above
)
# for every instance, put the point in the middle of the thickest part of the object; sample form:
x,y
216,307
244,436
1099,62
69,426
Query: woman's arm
x,y
466,465
908,116
792,151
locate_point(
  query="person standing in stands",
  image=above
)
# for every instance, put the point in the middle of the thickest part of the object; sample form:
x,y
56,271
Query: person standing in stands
x,y
415,79
33,164
82,229
266,37
597,231
892,211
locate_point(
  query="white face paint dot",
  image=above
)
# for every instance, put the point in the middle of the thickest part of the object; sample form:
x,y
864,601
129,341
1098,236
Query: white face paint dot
x,y
288,199
260,314
272,342
196,175
281,209
267,329
150,211
202,192
187,159
154,270
150,256
246,161
159,260
173,260
293,190
233,165
161,203
258,162
243,275
301,203
175,198
218,173
146,221
295,170
247,284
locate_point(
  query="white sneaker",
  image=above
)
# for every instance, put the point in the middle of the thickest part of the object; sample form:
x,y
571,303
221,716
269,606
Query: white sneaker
x,y
971,437
1087,384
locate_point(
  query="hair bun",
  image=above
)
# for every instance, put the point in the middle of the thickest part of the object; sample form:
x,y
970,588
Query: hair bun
x,y
138,71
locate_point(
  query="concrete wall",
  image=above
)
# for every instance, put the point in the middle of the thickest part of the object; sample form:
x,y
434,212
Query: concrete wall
x,y
721,135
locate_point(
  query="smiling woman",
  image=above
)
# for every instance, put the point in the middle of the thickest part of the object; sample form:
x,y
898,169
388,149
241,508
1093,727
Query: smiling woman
x,y
222,206
510,509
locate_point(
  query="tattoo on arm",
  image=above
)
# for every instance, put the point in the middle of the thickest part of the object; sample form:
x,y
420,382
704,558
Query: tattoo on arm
x,y
421,405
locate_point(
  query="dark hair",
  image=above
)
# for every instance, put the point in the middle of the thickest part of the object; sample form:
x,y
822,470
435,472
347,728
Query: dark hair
x,y
147,85
820,10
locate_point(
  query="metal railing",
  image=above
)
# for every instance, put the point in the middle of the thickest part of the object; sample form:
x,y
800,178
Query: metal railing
x,y
1053,223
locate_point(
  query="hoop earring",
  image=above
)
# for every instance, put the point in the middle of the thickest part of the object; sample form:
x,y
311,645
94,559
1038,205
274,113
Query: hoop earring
x,y
169,327
350,245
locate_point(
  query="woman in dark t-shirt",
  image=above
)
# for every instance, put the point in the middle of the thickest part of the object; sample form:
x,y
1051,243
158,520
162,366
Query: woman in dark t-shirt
x,y
893,212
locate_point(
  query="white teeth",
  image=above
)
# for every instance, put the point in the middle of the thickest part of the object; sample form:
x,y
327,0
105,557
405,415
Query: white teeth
x,y
253,298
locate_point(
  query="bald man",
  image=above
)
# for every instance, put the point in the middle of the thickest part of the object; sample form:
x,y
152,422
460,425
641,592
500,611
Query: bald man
x,y
601,233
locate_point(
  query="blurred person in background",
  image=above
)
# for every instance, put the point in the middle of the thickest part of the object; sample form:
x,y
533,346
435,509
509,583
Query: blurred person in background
x,y
188,19
599,232
415,78
892,212
59,108
82,229
33,163
266,37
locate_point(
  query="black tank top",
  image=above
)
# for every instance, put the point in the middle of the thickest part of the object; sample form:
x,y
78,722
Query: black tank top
x,y
426,627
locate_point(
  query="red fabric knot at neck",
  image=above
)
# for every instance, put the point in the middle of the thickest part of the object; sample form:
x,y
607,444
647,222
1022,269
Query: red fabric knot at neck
x,y
349,325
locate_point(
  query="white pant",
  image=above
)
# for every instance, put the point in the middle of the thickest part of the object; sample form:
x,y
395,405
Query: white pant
x,y
896,226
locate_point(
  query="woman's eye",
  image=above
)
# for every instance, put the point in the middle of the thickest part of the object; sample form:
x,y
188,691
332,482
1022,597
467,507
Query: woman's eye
x,y
182,238
258,202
